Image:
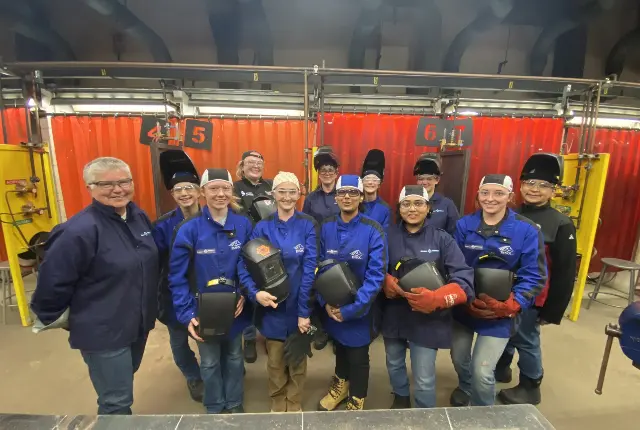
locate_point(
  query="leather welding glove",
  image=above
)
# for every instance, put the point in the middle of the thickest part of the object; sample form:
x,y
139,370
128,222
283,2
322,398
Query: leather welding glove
x,y
478,309
426,301
391,288
296,346
507,309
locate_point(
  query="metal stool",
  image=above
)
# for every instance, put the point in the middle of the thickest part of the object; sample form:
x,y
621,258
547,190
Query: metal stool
x,y
5,288
620,264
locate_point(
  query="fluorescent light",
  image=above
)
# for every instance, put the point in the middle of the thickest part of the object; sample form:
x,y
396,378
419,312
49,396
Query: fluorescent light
x,y
468,113
222,110
116,108
609,122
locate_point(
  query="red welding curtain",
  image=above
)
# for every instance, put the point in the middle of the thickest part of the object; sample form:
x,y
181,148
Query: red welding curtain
x,y
500,145
620,213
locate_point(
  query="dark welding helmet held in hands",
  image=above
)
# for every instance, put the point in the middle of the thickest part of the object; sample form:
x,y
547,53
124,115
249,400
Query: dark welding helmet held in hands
x,y
264,263
417,273
494,282
216,312
336,283
261,208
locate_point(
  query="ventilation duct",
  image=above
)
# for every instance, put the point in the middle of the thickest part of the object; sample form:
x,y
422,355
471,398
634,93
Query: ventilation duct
x,y
368,32
618,55
130,24
254,17
425,51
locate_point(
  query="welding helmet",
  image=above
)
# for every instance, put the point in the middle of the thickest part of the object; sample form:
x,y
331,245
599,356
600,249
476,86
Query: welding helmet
x,y
427,164
35,250
373,164
324,156
494,282
261,208
176,167
216,312
416,273
336,283
264,263
545,167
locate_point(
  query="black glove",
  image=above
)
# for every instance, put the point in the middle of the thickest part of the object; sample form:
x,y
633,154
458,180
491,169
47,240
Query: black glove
x,y
297,346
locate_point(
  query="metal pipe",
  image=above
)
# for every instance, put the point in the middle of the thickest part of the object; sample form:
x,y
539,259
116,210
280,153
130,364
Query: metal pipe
x,y
321,112
595,119
585,112
2,117
307,171
45,185
611,331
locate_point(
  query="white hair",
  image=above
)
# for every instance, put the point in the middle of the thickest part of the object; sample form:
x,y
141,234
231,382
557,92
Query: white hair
x,y
103,164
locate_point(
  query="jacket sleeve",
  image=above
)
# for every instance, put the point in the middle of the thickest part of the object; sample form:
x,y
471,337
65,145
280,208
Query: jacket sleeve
x,y
309,264
180,264
562,274
457,269
386,220
532,271
458,233
377,262
452,217
322,255
247,282
69,253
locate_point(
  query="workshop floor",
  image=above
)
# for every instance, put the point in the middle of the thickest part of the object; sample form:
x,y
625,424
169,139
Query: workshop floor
x,y
39,374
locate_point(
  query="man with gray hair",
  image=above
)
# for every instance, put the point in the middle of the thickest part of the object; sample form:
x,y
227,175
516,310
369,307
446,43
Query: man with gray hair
x,y
102,266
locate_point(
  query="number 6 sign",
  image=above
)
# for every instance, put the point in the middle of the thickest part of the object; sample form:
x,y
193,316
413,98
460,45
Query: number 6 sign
x,y
198,134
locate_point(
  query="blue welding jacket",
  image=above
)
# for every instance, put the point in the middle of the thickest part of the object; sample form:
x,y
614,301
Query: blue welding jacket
x,y
444,213
321,205
380,211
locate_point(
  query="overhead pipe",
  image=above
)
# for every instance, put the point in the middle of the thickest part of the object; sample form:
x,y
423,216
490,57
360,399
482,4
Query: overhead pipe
x,y
130,24
368,28
489,17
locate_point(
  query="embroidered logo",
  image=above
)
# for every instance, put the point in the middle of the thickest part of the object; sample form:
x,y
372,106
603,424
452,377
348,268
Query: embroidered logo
x,y
506,250
205,251
263,250
473,246
437,210
235,245
246,193
450,300
356,255
332,251
299,248
429,251
571,237
145,233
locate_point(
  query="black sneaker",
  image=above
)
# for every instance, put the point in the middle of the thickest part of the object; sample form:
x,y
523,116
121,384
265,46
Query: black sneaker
x,y
237,410
459,398
250,353
196,389
321,339
401,402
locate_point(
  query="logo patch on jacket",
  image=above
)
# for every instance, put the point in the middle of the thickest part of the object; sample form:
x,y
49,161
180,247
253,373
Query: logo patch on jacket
x,y
468,246
299,248
332,251
246,193
235,244
506,250
205,251
145,233
429,251
437,210
356,255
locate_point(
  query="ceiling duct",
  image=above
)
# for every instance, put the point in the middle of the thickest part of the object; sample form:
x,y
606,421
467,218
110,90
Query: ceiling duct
x,y
254,17
618,55
132,25
425,50
367,33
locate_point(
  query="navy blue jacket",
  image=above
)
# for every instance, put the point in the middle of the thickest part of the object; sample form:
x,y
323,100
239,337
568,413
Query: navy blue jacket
x,y
321,205
444,213
517,240
297,238
363,245
105,270
379,210
206,250
428,244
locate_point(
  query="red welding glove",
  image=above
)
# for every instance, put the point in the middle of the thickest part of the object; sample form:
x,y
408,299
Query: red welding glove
x,y
391,288
507,309
478,309
426,301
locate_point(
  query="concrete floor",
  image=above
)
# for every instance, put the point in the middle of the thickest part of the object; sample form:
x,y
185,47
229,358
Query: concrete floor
x,y
40,374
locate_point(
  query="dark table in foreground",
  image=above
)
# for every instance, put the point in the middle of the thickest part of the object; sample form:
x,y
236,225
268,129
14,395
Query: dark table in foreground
x,y
516,417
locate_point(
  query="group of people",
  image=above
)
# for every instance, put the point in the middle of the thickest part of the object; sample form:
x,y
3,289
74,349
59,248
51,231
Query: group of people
x,y
504,272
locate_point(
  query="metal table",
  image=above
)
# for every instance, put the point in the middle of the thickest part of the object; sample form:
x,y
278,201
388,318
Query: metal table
x,y
515,417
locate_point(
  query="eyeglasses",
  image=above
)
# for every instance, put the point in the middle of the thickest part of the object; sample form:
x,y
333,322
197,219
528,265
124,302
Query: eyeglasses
x,y
418,204
187,188
496,194
542,185
226,189
125,184
427,178
374,181
286,193
351,192
254,163
327,171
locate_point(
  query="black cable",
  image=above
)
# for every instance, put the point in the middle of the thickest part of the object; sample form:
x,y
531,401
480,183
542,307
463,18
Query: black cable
x,y
13,218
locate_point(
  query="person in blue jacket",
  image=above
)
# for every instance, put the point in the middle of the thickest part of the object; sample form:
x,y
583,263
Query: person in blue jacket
x,y
295,234
372,176
359,241
494,237
185,190
101,269
420,320
205,259
444,213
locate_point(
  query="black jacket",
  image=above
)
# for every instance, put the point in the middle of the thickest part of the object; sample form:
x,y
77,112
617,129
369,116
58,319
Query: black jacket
x,y
247,191
560,245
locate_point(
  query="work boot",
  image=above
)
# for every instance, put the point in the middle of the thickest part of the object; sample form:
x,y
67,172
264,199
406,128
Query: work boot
x,y
320,340
526,392
250,353
459,398
337,394
196,389
401,402
237,410
355,404
503,369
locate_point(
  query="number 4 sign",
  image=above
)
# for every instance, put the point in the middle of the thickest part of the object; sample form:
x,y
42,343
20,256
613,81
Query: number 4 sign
x,y
198,134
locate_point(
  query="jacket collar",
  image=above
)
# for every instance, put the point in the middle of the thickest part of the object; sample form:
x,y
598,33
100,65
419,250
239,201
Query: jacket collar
x,y
228,223
354,221
248,183
110,211
435,197
319,190
524,208
503,226
403,228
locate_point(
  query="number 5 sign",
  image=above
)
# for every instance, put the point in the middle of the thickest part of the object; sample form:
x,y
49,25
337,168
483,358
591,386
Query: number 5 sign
x,y
198,134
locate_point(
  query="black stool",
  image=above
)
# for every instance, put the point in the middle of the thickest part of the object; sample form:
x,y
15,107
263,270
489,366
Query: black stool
x,y
620,264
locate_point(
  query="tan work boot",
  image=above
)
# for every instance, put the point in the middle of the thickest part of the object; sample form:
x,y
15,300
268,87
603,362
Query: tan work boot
x,y
355,404
337,394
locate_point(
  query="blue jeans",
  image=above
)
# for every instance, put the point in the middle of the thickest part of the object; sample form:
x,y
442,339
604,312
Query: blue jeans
x,y
183,356
111,374
476,369
222,370
250,333
527,342
423,367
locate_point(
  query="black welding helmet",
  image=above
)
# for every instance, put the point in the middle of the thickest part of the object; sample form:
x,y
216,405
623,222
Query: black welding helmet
x,y
176,167
264,263
416,273
373,164
492,281
336,283
216,313
261,208
325,156
427,164
35,250
544,166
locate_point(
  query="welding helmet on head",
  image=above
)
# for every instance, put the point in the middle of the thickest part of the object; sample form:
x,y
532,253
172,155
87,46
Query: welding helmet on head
x,y
494,282
416,273
427,164
373,164
325,156
545,167
176,167
261,208
336,283
264,263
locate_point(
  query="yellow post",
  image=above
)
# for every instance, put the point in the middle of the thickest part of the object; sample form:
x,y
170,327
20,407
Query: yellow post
x,y
17,196
594,189
314,174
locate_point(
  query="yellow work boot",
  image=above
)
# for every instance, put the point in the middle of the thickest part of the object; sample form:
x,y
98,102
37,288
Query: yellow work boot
x,y
337,394
355,404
